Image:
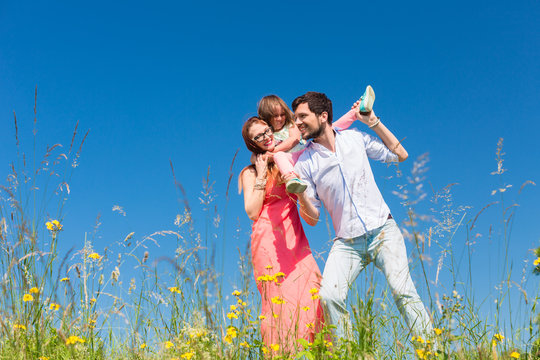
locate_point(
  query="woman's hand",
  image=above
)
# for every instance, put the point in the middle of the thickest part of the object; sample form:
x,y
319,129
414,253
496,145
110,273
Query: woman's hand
x,y
261,165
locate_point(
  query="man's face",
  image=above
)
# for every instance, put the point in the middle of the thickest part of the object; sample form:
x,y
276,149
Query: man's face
x,y
311,126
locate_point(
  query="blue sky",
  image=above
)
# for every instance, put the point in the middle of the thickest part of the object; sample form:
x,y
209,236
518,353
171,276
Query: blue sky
x,y
160,81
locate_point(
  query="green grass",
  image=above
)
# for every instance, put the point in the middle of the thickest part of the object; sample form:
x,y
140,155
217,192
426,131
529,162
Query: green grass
x,y
79,305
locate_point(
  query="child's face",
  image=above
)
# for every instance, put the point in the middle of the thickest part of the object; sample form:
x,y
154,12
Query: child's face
x,y
278,120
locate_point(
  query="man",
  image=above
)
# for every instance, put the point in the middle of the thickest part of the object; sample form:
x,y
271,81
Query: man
x,y
335,165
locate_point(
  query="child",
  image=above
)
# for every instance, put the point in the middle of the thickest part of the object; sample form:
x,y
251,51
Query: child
x,y
289,144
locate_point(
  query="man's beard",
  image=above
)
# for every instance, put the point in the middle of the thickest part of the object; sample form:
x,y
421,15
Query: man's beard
x,y
316,133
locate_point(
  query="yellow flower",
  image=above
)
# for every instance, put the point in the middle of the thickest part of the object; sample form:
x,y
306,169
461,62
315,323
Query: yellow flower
x,y
19,326
275,315
49,226
187,355
265,350
54,307
268,267
143,346
43,358
94,256
279,274
231,331
174,289
236,293
421,353
315,297
514,355
313,291
420,340
64,279
438,331
53,225
498,337
27,297
262,317
277,300
168,344
536,263
92,300
241,302
306,308
232,308
34,290
245,344
274,347
232,315
73,339
309,325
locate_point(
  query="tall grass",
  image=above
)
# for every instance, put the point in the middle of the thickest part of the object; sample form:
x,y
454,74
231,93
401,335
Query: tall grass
x,y
82,304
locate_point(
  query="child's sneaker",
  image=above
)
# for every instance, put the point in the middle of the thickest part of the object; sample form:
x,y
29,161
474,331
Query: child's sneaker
x,y
367,100
296,186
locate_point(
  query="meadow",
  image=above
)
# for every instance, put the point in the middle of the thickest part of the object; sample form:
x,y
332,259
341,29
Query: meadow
x,y
79,305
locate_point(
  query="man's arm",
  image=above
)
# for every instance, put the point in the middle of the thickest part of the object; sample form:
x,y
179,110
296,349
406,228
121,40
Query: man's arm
x,y
308,212
387,137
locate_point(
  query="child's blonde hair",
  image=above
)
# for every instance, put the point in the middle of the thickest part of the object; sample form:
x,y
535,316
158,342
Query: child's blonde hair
x,y
266,109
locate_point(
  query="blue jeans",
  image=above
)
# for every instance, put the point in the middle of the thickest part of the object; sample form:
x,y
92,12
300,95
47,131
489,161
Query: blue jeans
x,y
348,257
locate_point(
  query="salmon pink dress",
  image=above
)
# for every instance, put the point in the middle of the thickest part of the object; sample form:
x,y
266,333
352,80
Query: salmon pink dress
x,y
287,275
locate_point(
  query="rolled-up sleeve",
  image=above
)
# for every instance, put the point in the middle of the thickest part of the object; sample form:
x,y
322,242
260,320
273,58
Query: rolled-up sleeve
x,y
302,169
376,150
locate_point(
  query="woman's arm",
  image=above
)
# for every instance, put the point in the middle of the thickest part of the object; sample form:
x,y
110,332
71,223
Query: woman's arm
x,y
291,141
253,181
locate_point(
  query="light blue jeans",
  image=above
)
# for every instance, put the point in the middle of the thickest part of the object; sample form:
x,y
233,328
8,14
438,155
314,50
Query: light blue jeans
x,y
348,257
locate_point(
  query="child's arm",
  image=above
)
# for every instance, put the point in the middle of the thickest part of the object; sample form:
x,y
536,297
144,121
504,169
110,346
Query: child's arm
x,y
291,141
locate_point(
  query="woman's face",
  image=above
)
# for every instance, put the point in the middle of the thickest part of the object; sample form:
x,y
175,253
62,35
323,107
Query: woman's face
x,y
278,120
262,135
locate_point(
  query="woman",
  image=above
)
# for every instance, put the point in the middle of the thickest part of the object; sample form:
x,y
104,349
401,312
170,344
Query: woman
x,y
287,275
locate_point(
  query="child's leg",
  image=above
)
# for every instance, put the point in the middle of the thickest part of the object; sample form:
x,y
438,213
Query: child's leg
x,y
285,163
345,121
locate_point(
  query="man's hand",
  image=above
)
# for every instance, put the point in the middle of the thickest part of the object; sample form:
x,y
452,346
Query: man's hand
x,y
369,119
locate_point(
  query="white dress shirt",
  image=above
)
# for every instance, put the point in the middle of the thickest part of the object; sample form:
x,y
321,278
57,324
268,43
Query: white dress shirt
x,y
344,182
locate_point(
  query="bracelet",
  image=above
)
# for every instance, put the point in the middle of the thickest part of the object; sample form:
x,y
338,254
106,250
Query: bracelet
x,y
260,184
376,123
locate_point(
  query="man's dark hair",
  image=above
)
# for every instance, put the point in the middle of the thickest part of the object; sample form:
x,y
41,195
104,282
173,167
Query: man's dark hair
x,y
317,103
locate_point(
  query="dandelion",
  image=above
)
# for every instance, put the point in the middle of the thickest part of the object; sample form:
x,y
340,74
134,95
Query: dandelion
x,y
498,337
54,306
187,355
73,339
19,326
309,325
236,293
264,350
43,358
53,225
27,297
174,289
143,346
168,344
245,344
233,307
94,256
514,355
232,315
64,279
419,339
279,274
268,267
277,300
438,331
274,347
313,291
231,331
92,300
315,297
34,290
536,263
421,353
241,302
262,317
306,308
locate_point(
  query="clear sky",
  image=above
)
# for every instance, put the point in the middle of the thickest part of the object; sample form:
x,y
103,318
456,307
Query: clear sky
x,y
173,81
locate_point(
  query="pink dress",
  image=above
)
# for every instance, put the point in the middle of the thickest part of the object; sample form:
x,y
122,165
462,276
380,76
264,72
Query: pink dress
x,y
287,275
